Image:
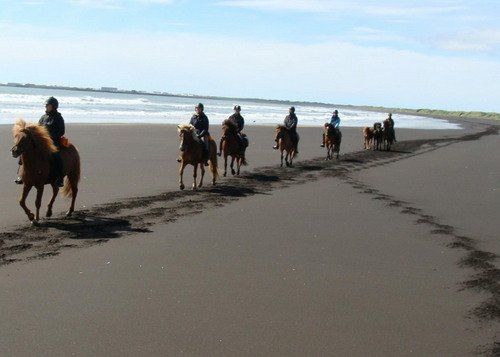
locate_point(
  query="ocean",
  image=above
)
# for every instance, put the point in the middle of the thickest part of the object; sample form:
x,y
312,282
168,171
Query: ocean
x,y
119,108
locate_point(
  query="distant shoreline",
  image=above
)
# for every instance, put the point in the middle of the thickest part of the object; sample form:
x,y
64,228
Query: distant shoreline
x,y
430,113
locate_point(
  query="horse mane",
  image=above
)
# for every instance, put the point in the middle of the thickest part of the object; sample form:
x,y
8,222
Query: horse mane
x,y
188,128
39,134
230,125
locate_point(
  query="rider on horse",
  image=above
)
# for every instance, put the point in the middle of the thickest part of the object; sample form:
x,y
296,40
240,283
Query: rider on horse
x,y
54,122
238,120
333,124
391,125
290,123
200,122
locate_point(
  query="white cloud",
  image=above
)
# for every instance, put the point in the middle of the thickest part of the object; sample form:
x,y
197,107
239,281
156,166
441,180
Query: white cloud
x,y
333,71
483,40
116,4
340,6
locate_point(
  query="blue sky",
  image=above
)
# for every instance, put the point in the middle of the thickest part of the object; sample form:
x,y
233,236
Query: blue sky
x,y
437,54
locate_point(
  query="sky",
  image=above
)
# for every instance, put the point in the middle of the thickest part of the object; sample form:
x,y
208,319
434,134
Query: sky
x,y
414,54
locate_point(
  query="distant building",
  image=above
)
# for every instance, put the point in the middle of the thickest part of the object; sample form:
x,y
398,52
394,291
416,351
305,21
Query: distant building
x,y
13,84
109,89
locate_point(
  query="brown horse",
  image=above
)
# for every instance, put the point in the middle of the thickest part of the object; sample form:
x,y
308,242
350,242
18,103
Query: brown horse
x,y
333,138
368,134
33,144
285,143
230,146
378,136
192,154
388,135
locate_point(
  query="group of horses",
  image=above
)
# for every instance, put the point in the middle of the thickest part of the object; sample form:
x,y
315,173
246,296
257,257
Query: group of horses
x,y
378,137
34,146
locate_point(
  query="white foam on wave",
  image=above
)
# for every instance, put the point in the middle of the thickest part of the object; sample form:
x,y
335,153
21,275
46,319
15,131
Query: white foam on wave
x,y
123,108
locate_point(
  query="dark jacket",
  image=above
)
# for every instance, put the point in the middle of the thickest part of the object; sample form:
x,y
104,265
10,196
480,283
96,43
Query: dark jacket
x,y
238,120
200,122
291,122
54,123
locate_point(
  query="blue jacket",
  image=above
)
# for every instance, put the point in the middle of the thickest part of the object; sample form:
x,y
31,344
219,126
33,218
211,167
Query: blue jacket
x,y
335,121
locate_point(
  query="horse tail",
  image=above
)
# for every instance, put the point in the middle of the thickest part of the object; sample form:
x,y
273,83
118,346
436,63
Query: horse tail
x,y
214,168
74,173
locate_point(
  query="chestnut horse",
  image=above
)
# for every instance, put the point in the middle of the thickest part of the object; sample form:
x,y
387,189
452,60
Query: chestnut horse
x,y
368,134
388,135
285,144
230,146
192,154
33,144
333,138
378,136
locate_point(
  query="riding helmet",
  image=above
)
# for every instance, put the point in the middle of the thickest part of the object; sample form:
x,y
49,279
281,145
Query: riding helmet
x,y
52,101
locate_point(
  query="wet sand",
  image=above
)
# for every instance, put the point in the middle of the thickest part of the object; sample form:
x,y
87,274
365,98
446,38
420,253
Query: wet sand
x,y
327,258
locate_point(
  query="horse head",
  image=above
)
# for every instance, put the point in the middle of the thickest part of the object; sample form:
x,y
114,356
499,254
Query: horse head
x,y
186,135
229,127
23,140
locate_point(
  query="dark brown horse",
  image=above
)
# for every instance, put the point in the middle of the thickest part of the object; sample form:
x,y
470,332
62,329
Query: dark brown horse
x,y
378,136
285,144
230,146
388,135
33,144
368,134
333,138
192,154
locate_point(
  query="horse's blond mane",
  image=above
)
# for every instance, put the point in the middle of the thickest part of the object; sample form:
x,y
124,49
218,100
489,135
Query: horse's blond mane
x,y
188,128
39,134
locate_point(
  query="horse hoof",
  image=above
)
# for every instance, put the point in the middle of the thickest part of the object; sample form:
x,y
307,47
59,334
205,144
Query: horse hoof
x,y
225,174
69,213
182,187
48,214
194,187
233,172
35,223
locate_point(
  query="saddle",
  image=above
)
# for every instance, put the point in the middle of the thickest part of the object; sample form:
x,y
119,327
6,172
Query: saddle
x,y
64,142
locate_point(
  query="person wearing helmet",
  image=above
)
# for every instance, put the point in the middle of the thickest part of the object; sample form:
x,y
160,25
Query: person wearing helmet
x,y
200,122
54,122
239,121
391,122
290,123
334,123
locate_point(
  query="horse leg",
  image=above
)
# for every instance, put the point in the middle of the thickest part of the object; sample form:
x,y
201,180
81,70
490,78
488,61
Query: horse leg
x,y
281,158
22,202
225,164
232,166
38,202
74,192
55,191
195,173
202,169
181,173
238,165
